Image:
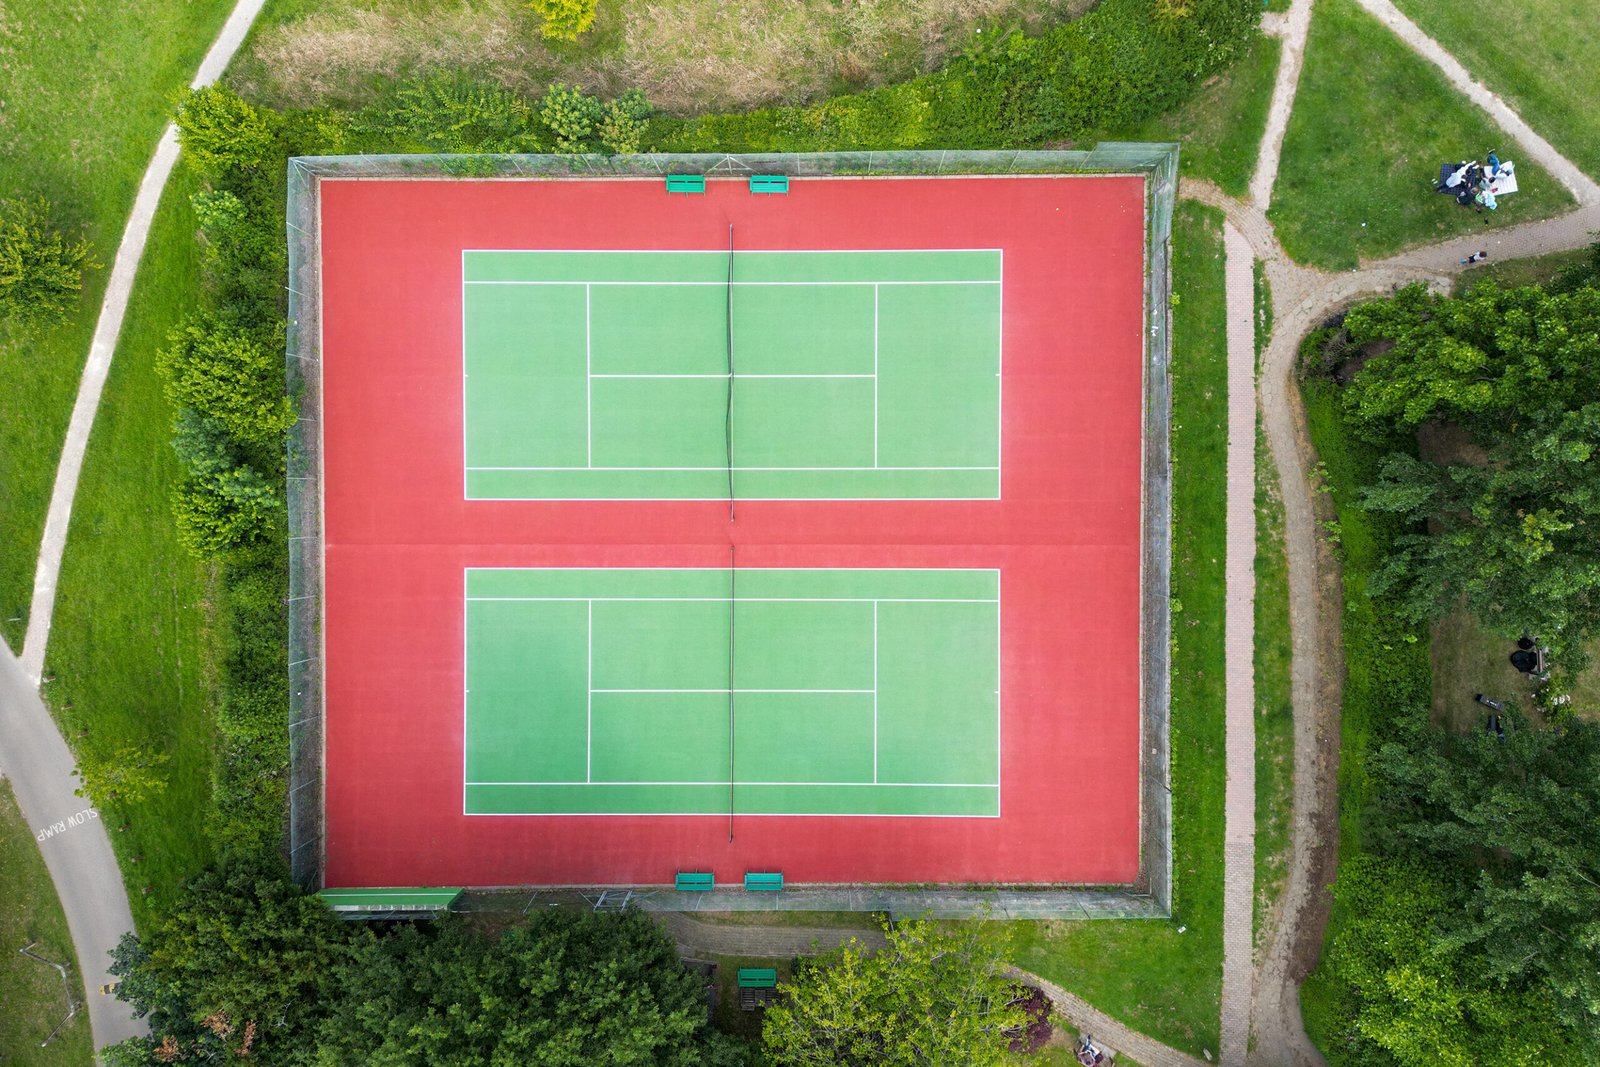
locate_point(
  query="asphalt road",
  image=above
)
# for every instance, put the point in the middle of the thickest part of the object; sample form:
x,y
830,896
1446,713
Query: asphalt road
x,y
76,848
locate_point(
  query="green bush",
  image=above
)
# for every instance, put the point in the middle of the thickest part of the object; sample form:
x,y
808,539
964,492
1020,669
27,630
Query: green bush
x,y
41,272
622,124
229,377
1117,64
571,117
223,510
564,20
219,131
449,112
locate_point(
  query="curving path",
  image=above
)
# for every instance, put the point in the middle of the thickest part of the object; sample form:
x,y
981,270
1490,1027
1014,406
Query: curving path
x,y
1261,996
35,756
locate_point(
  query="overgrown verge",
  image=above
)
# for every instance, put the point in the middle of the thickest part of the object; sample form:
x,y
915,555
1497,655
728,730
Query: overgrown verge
x,y
1464,923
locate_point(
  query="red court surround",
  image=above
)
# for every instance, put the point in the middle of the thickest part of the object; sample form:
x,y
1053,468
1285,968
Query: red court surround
x,y
1065,535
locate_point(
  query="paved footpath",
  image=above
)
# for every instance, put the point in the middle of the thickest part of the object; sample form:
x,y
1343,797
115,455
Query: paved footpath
x,y
1239,575
34,755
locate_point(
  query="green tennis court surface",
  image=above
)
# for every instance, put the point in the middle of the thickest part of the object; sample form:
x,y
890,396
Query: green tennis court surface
x,y
855,692
604,375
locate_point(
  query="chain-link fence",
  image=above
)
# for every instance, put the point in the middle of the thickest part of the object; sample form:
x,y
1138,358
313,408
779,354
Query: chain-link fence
x,y
1150,895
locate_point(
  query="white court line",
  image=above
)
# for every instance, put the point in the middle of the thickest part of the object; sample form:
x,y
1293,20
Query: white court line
x,y
588,379
724,285
747,600
724,689
741,782
588,737
724,377
875,380
699,469
874,690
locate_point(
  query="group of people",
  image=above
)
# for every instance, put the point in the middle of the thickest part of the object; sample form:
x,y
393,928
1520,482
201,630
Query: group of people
x,y
1471,183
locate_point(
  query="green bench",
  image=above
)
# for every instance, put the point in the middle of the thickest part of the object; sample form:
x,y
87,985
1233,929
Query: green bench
x,y
758,978
768,883
686,183
695,881
769,183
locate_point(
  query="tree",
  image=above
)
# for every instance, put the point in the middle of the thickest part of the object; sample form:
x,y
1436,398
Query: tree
x,y
131,773
1420,996
1517,822
219,131
1516,537
41,271
571,116
228,376
564,20
571,989
936,995
245,961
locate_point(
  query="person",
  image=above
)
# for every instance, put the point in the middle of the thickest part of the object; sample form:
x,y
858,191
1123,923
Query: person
x,y
1476,257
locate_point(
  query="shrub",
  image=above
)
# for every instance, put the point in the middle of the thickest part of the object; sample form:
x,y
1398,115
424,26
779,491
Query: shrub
x,y
41,272
449,112
622,126
229,377
564,20
129,774
223,510
571,117
219,131
1121,62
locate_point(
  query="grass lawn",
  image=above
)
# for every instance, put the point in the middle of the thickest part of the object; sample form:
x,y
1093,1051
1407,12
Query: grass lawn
x,y
30,992
1540,55
688,56
1145,972
129,648
1221,127
1371,124
1274,702
85,89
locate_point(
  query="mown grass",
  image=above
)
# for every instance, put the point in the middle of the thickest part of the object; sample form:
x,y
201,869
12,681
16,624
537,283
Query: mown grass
x,y
1274,698
128,659
32,1000
85,88
688,56
1540,55
1147,973
1372,123
1220,128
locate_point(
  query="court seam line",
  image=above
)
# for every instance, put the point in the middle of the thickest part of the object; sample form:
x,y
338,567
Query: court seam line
x,y
745,600
722,782
724,285
588,376
724,689
875,392
723,377
875,692
588,740
676,470
718,251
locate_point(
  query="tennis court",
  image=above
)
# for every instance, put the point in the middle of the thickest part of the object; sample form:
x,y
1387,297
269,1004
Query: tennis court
x,y
855,374
853,692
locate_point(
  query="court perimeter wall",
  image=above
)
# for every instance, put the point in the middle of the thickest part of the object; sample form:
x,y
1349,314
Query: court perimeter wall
x,y
1150,896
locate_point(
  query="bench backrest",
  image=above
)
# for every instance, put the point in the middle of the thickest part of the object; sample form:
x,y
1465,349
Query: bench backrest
x,y
766,882
686,183
695,881
758,977
769,183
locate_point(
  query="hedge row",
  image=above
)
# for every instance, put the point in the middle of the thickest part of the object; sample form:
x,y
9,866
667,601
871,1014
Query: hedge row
x,y
1122,62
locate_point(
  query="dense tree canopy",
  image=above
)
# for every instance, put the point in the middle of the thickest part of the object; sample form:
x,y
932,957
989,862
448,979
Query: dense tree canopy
x,y
248,966
1515,823
1516,536
935,997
